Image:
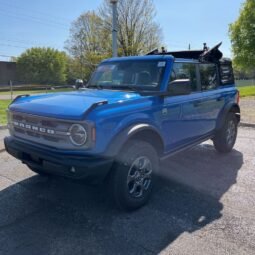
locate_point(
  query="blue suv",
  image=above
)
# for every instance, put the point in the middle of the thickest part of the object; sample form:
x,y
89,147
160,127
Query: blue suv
x,y
134,112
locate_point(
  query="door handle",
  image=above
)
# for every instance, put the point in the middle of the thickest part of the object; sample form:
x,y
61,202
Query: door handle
x,y
219,99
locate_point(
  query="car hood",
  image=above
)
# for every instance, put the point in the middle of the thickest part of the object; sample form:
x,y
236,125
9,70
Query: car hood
x,y
68,105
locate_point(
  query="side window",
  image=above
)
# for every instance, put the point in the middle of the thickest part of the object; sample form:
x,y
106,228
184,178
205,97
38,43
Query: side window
x,y
208,76
226,73
185,71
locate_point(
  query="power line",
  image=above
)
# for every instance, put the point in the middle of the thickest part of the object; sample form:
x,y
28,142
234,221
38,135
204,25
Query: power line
x,y
19,7
34,19
14,46
6,56
29,43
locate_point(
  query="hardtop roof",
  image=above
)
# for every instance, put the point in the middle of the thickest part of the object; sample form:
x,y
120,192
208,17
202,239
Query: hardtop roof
x,y
213,55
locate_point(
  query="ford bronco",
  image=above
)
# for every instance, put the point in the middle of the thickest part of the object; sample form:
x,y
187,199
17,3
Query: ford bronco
x,y
133,112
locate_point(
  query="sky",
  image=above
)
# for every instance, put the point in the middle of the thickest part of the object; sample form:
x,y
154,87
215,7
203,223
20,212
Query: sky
x,y
30,23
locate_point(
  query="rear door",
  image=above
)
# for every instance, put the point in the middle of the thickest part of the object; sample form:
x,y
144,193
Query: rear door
x,y
213,99
189,118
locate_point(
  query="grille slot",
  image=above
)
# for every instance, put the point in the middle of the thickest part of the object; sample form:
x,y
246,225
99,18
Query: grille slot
x,y
47,123
50,138
19,130
32,134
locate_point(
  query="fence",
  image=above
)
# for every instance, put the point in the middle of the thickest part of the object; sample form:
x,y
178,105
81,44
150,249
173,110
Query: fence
x,y
11,90
242,83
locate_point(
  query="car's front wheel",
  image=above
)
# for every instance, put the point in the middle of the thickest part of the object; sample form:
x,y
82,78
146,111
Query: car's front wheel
x,y
37,171
225,138
133,174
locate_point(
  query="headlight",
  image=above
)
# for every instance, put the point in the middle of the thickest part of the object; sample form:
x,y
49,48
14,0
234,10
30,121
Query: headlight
x,y
78,134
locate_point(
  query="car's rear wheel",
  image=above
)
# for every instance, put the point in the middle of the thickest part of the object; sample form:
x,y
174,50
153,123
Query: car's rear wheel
x,y
133,175
225,138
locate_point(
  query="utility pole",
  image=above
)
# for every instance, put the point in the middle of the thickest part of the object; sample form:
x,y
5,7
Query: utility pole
x,y
11,89
114,28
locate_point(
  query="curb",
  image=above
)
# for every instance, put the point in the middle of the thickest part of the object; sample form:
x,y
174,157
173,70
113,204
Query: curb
x,y
245,124
3,127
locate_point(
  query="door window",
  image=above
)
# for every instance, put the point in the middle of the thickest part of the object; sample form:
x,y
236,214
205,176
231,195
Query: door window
x,y
185,71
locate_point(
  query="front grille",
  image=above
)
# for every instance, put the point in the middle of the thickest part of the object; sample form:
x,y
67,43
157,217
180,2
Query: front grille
x,y
42,130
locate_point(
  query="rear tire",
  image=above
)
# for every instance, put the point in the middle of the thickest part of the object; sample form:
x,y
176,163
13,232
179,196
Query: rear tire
x,y
225,138
133,173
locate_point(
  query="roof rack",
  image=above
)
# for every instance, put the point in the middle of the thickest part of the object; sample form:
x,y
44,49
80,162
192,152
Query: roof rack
x,y
205,55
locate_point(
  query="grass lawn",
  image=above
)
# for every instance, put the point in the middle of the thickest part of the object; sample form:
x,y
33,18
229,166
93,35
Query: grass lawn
x,y
3,106
247,91
21,92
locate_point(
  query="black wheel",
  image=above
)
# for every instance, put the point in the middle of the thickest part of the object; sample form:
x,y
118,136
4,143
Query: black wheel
x,y
133,175
225,138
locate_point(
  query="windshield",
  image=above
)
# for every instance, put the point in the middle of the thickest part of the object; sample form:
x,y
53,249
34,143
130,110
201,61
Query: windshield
x,y
133,75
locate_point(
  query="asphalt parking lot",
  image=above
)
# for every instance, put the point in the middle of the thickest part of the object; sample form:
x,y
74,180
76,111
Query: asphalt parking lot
x,y
204,204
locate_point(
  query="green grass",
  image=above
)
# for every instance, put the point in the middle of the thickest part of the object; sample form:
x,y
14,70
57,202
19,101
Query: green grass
x,y
4,103
21,92
247,91
3,106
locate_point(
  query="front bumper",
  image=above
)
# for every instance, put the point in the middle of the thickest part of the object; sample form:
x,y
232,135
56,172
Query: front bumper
x,y
57,163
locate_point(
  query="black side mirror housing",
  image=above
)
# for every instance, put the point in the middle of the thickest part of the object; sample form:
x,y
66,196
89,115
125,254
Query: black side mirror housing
x,y
179,87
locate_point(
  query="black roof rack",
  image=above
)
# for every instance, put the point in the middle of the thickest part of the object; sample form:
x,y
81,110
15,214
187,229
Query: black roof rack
x,y
205,55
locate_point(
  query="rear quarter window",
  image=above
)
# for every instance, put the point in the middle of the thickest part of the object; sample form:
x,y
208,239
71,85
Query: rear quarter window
x,y
226,73
208,76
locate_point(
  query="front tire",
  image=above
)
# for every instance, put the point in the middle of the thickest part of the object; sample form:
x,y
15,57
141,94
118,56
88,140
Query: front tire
x,y
133,175
225,138
35,170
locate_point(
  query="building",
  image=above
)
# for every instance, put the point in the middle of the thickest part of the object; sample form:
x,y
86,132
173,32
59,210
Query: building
x,y
8,71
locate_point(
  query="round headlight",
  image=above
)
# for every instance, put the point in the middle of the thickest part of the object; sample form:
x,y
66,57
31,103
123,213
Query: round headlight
x,y
78,134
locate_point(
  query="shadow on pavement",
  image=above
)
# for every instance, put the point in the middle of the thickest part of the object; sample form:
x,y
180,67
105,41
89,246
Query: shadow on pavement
x,y
42,215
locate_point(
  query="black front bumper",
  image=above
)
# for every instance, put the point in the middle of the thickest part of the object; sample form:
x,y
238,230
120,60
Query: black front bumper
x,y
57,163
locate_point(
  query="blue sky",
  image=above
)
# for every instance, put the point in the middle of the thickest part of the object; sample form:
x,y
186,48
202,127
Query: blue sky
x,y
28,23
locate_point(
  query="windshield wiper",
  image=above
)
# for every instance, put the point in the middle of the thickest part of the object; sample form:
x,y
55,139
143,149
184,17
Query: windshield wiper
x,y
126,86
95,86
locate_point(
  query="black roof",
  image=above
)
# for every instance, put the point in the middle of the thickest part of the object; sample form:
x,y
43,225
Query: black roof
x,y
205,55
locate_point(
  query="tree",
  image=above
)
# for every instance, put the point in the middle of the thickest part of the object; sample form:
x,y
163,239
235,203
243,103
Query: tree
x,y
88,44
90,35
42,66
13,59
242,35
138,33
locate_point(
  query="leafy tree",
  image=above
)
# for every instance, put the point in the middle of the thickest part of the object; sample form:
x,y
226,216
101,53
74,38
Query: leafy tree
x,y
88,44
242,34
42,66
90,35
138,33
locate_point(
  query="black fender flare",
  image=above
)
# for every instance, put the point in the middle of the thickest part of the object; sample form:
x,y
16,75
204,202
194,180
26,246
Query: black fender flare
x,y
126,134
230,107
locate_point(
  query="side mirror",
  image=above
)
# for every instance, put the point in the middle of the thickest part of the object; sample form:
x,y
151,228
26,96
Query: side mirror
x,y
179,87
